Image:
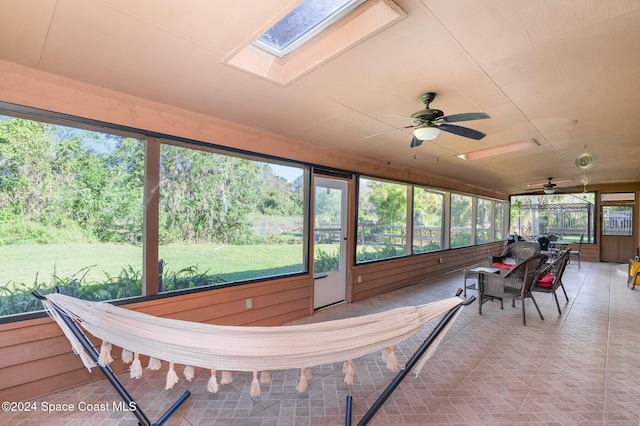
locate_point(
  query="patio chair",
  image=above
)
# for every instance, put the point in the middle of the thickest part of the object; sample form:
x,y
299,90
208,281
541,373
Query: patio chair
x,y
576,253
549,279
514,284
514,253
545,249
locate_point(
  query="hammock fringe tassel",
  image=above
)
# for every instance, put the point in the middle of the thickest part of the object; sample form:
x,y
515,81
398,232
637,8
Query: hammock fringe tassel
x,y
303,383
172,377
105,354
135,371
226,378
349,372
255,385
126,356
392,360
154,364
212,384
189,373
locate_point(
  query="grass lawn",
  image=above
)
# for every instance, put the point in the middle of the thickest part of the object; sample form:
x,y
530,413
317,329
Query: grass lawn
x,y
23,263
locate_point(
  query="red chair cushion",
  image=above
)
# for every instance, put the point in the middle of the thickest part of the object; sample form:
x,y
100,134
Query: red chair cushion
x,y
502,265
546,280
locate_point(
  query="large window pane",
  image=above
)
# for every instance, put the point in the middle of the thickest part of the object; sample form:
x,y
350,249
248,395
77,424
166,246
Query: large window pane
x,y
499,223
460,232
561,216
327,228
382,220
70,213
427,220
617,220
226,219
484,221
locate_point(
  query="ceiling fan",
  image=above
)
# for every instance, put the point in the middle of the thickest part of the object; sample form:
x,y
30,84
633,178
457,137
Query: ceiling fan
x,y
548,187
428,122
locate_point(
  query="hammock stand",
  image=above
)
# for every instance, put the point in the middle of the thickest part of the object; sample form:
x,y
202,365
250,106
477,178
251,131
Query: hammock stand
x,y
415,358
144,420
110,375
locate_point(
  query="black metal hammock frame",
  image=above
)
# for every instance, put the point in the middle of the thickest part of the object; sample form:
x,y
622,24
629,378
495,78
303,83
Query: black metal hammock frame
x,y
144,420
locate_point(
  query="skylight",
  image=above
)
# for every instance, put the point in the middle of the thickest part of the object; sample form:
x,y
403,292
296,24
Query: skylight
x,y
302,24
342,25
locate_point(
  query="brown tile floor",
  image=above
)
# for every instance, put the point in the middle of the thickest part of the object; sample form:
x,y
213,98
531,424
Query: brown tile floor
x,y
579,368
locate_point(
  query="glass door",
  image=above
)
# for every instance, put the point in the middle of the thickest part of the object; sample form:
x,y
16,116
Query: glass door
x,y
330,245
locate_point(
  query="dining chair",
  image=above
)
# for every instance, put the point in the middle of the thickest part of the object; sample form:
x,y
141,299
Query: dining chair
x,y
514,284
549,279
576,253
514,253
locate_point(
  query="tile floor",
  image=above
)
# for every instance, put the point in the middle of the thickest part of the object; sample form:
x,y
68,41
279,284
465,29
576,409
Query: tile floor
x,y
578,368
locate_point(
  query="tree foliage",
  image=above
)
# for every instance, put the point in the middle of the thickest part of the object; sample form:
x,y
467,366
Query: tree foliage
x,y
389,201
59,184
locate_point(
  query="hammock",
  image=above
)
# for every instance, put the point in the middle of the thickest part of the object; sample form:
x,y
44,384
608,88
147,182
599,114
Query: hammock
x,y
241,348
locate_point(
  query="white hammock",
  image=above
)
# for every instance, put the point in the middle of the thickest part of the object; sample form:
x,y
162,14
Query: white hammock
x,y
240,348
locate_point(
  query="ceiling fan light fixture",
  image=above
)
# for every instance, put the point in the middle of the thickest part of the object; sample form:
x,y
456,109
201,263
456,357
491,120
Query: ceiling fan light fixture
x,y
549,191
426,132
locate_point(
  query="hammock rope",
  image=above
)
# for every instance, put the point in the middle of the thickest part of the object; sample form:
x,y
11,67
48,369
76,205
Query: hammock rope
x,y
242,348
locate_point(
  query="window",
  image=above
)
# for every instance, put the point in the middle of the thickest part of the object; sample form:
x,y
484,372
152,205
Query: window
x,y
70,213
227,219
460,231
428,208
385,229
302,24
382,220
617,220
565,216
484,221
499,221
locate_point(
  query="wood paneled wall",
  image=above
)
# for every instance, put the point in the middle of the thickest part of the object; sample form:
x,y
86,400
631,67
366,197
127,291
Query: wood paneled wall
x,y
381,277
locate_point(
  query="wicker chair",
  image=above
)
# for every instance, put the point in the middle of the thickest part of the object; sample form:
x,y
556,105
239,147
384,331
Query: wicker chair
x,y
515,253
514,284
549,278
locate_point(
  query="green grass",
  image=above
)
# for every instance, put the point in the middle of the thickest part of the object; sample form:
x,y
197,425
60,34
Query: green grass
x,y
23,263
234,262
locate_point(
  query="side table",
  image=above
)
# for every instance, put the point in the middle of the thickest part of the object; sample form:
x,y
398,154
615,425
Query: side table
x,y
473,273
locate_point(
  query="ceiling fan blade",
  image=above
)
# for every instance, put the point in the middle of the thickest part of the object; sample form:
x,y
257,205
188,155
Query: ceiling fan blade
x,y
466,116
555,182
415,142
388,131
462,131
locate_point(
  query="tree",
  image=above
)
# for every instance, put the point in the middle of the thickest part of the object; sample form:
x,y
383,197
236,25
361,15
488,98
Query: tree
x,y
390,202
206,196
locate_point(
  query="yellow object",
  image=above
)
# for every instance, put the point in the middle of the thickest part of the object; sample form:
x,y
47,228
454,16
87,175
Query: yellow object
x,y
634,274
